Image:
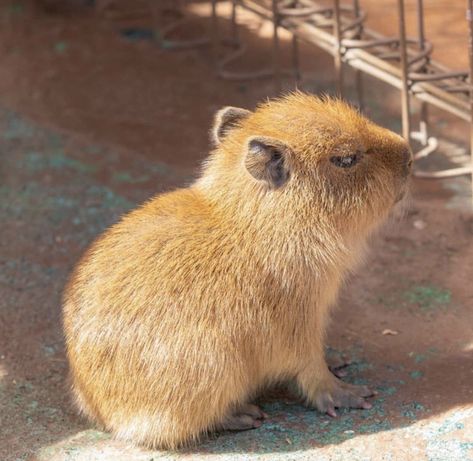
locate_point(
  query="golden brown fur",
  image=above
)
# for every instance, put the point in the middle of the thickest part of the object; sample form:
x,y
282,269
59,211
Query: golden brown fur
x,y
178,315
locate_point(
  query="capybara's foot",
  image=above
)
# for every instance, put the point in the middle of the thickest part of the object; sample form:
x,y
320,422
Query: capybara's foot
x,y
338,394
246,417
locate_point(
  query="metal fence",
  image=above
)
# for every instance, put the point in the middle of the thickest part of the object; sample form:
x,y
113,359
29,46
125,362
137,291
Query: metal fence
x,y
403,62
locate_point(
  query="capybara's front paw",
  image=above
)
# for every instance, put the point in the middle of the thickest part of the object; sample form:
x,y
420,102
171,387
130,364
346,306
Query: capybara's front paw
x,y
338,394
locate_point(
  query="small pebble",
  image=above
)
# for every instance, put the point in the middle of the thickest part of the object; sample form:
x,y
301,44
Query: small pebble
x,y
419,224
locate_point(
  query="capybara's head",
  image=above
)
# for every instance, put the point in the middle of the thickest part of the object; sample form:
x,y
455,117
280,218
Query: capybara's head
x,y
316,157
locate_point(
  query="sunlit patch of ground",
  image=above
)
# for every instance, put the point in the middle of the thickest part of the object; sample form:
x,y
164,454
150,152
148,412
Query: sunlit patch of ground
x,y
445,437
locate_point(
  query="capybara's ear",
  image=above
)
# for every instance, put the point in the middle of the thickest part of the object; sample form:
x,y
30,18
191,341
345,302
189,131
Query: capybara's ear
x,y
225,120
267,160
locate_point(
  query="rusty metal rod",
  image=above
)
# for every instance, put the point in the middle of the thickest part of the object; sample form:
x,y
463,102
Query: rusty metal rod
x,y
276,63
469,17
338,47
406,125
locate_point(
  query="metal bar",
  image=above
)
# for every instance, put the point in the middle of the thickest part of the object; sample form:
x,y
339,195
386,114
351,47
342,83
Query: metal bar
x,y
441,104
380,68
406,128
276,64
420,24
469,17
431,77
431,145
402,62
337,31
423,123
358,74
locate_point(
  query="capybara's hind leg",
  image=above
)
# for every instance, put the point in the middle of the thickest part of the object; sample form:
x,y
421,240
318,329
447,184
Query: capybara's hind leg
x,y
247,416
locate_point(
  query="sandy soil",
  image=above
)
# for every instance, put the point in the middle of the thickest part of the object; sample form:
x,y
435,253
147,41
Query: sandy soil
x,y
94,121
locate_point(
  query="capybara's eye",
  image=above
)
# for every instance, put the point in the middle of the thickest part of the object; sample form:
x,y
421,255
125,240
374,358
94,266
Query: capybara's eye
x,y
346,161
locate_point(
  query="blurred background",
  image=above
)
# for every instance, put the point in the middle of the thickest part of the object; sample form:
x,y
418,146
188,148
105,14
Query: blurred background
x,y
104,104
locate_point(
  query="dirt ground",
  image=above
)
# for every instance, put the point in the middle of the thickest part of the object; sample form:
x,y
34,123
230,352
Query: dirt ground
x,y
96,117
